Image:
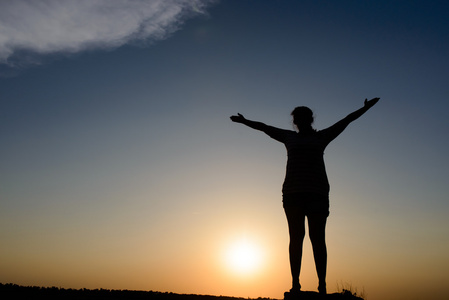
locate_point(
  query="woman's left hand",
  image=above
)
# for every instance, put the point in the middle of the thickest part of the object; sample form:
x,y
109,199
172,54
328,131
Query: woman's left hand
x,y
370,103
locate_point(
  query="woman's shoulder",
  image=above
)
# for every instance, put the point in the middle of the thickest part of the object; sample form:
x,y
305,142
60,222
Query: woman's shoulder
x,y
279,134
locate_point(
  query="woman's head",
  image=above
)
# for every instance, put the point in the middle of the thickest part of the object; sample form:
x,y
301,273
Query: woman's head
x,y
302,117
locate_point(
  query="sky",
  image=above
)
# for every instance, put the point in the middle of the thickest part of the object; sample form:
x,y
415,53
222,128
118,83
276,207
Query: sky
x,y
120,167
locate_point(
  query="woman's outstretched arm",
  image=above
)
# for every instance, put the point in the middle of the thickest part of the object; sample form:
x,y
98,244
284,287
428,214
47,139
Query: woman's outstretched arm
x,y
273,132
338,127
355,115
252,124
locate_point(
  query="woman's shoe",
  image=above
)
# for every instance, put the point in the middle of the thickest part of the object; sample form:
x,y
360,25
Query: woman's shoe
x,y
292,294
322,289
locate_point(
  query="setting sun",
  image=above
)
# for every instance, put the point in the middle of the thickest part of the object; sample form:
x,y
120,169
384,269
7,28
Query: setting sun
x,y
244,257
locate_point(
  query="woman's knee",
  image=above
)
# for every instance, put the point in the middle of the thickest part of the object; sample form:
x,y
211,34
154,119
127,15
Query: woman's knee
x,y
297,238
317,235
317,239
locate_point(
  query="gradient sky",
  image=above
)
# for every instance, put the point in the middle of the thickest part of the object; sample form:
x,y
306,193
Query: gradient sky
x,y
120,168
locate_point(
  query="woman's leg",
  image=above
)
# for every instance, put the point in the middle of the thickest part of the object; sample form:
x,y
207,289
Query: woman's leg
x,y
317,228
296,229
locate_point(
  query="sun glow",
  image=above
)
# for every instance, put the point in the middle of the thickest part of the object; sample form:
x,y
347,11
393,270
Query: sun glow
x,y
244,257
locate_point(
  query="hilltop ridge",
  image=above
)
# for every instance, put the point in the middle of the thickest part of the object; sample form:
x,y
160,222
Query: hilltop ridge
x,y
13,291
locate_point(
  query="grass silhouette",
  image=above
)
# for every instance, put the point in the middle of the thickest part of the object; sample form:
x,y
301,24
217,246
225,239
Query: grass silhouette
x,y
13,291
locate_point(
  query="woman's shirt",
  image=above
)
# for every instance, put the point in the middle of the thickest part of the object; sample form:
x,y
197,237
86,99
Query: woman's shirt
x,y
306,171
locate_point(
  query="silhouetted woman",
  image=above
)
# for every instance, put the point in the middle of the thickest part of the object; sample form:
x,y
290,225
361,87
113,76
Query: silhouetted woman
x,y
305,191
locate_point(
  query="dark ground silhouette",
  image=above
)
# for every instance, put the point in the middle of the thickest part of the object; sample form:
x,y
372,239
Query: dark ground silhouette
x,y
14,291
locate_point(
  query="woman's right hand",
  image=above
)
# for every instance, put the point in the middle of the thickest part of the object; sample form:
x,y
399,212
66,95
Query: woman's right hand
x,y
238,119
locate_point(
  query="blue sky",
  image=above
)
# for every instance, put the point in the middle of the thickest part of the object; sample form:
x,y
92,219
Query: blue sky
x,y
119,162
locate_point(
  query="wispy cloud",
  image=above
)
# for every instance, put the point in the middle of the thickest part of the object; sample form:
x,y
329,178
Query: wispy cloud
x,y
70,26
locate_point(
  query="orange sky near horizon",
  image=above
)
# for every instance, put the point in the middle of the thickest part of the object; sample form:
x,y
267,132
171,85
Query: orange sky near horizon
x,y
128,251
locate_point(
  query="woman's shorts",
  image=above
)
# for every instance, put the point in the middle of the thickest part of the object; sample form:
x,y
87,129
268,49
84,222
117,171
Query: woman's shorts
x,y
310,203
